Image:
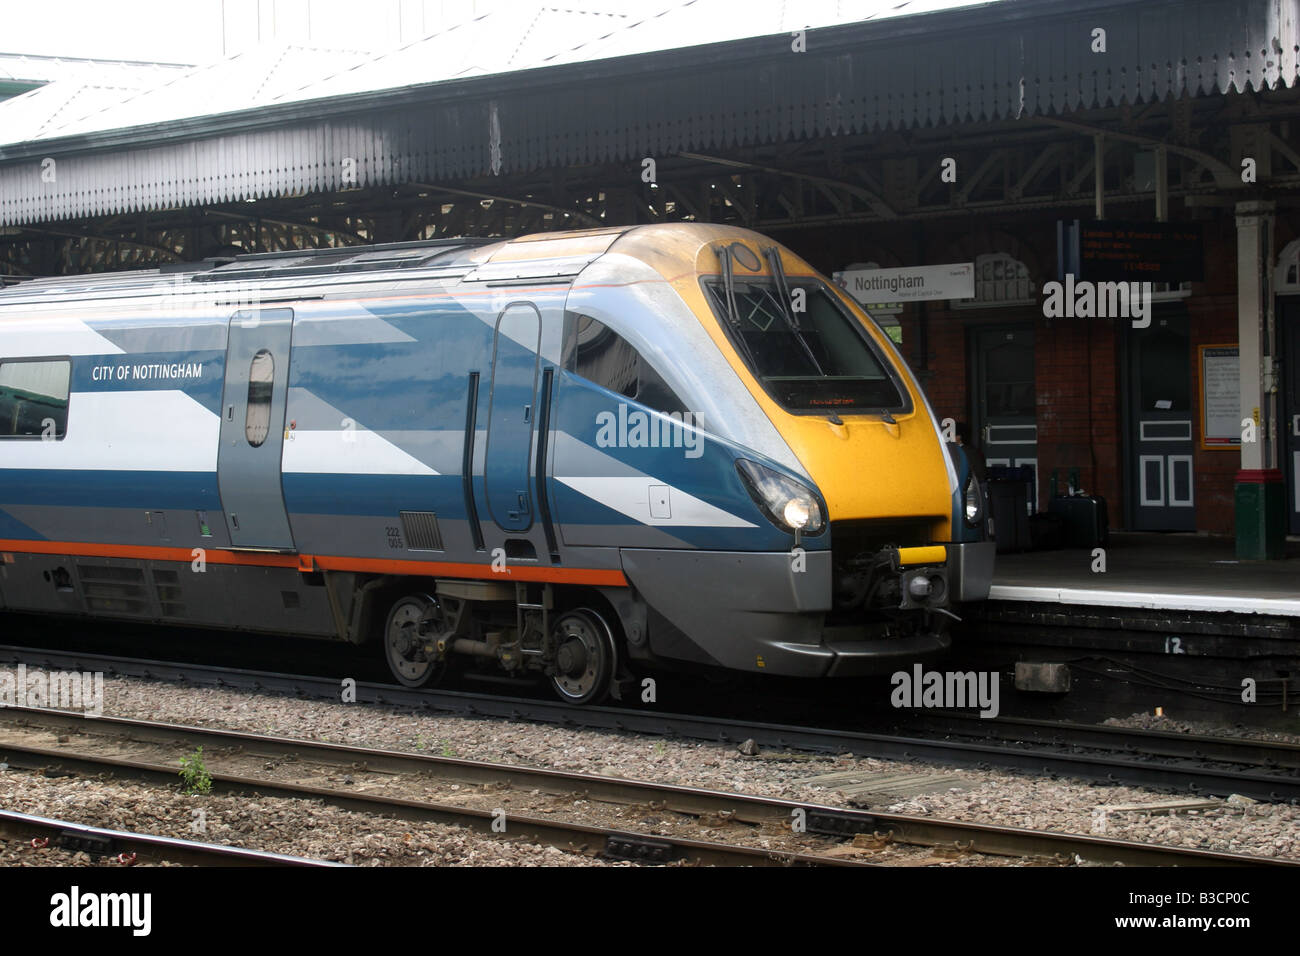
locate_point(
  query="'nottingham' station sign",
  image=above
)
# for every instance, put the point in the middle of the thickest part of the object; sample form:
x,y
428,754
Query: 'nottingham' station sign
x,y
1111,251
955,280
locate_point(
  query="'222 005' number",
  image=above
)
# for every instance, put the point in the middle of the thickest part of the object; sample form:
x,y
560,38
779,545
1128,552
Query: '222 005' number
x,y
394,536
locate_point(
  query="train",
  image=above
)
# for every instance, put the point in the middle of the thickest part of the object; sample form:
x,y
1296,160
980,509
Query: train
x,y
566,457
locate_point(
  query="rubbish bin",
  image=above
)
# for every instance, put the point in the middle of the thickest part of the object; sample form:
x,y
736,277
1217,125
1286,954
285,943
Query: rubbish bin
x,y
1261,514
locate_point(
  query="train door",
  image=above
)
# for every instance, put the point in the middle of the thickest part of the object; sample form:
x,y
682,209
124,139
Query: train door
x,y
252,429
1160,424
1005,413
511,415
1289,323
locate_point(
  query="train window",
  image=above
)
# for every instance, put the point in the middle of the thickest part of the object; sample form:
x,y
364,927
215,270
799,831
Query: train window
x,y
261,377
34,398
599,354
816,360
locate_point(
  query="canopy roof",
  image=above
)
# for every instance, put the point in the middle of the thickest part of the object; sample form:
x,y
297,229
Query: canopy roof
x,y
506,93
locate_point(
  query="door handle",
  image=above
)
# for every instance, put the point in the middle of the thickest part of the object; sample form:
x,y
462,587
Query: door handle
x,y
230,413
528,414
1295,426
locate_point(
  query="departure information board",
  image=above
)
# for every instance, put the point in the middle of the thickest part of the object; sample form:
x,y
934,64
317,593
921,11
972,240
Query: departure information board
x,y
1112,251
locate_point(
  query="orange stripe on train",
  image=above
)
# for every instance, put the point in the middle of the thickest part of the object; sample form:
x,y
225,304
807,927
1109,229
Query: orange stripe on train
x,y
306,562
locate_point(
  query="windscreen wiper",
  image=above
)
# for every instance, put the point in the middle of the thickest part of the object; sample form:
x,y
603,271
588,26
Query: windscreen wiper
x,y
729,304
729,286
787,307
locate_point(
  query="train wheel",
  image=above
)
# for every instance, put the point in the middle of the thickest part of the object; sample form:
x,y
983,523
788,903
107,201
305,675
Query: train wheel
x,y
584,657
408,634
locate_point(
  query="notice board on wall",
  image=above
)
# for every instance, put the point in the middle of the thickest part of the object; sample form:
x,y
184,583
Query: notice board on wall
x,y
1220,397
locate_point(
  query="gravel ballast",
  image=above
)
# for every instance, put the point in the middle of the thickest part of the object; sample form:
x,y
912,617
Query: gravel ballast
x,y
987,796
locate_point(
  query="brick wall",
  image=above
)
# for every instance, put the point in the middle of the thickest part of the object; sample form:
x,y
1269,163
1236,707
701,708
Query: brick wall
x,y
1078,378
945,375
1212,312
1213,321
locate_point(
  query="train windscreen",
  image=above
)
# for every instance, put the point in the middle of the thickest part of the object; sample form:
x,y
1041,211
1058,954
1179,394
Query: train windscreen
x,y
809,353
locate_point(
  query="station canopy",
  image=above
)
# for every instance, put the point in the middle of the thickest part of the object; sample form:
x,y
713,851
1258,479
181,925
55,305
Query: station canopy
x,y
537,87
93,96
93,84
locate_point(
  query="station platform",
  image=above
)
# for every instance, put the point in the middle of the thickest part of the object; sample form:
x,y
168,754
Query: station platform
x,y
1177,572
1175,622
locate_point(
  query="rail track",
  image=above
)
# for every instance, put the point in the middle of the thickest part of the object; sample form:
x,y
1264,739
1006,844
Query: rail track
x,y
131,849
68,746
1202,765
72,751
1235,751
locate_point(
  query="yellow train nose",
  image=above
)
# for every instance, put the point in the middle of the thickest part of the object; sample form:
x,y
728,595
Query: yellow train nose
x,y
867,468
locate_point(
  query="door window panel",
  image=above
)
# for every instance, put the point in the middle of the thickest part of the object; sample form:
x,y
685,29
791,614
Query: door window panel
x,y
1009,382
261,379
1165,383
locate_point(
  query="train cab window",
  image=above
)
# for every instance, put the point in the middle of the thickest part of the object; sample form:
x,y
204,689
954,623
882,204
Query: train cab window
x,y
816,359
34,398
599,354
261,377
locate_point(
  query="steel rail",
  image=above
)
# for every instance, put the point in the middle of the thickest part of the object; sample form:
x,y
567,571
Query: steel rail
x,y
569,836
131,848
1214,781
1247,751
692,801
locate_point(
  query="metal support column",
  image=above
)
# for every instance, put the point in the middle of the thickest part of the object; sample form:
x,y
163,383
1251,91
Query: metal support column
x,y
1162,184
1260,498
1099,174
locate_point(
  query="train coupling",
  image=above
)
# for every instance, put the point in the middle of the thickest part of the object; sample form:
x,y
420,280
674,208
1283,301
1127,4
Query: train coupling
x,y
923,576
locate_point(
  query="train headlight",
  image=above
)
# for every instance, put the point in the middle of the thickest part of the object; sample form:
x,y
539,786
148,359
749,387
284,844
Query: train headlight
x,y
974,502
785,502
796,513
